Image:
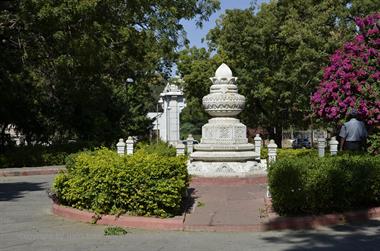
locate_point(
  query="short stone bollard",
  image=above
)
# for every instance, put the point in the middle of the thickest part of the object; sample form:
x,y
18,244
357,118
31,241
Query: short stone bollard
x,y
321,147
130,143
333,146
180,147
258,142
272,151
190,144
120,147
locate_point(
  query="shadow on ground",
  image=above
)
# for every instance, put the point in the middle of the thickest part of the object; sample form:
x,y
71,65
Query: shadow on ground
x,y
16,190
354,236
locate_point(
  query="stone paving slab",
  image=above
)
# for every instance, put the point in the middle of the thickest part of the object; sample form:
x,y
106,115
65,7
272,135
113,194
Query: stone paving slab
x,y
227,205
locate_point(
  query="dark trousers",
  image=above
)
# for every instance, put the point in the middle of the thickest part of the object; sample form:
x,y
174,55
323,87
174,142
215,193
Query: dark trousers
x,y
353,146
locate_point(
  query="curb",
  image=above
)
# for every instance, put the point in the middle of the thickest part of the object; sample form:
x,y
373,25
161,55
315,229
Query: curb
x,y
28,171
228,181
141,222
178,223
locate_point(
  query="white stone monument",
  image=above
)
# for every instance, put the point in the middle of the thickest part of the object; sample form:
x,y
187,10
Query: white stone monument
x,y
224,149
167,123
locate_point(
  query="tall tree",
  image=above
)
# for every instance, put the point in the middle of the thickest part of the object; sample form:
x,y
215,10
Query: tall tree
x,y
90,62
278,52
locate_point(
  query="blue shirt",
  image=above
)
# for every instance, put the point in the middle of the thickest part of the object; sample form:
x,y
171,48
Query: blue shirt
x,y
353,130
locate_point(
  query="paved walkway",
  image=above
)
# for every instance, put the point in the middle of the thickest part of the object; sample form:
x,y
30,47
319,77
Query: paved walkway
x,y
26,223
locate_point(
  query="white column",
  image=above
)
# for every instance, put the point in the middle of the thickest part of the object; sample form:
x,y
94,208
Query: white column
x,y
272,151
258,142
190,142
321,147
130,145
120,147
333,146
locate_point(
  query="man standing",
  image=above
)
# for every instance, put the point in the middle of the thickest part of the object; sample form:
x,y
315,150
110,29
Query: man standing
x,y
353,134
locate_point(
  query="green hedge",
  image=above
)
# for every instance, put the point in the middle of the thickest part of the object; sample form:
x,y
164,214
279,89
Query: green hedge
x,y
139,184
160,148
311,185
290,153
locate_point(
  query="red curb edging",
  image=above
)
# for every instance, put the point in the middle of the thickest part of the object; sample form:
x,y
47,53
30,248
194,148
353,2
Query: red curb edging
x,y
309,222
147,223
178,224
228,181
28,171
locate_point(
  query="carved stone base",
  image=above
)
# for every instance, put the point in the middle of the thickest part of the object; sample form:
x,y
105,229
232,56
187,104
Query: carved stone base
x,y
226,169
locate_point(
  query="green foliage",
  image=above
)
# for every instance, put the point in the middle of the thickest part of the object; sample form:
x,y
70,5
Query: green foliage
x,y
283,153
311,185
39,155
374,142
115,231
65,66
161,148
138,184
278,51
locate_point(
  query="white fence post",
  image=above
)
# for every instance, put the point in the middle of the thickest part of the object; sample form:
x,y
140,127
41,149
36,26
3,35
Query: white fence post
x,y
190,144
333,146
180,147
130,143
258,142
272,151
321,147
120,147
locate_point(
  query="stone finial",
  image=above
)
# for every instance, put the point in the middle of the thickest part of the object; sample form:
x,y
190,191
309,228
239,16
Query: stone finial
x,y
333,146
120,147
223,71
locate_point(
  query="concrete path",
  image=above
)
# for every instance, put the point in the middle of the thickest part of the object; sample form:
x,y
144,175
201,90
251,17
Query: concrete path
x,y
26,223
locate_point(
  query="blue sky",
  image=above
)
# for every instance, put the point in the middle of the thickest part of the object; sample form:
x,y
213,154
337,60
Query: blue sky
x,y
195,34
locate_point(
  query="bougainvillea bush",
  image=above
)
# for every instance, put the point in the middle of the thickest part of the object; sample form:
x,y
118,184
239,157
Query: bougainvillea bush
x,y
352,80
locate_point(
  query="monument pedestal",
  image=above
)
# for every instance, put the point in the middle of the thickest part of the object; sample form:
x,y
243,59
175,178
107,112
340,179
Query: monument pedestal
x,y
224,149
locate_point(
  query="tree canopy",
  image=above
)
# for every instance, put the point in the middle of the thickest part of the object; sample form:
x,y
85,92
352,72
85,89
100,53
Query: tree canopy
x,y
81,69
278,51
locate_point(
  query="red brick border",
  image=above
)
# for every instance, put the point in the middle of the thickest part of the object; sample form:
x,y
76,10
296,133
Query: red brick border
x,y
178,223
148,223
27,171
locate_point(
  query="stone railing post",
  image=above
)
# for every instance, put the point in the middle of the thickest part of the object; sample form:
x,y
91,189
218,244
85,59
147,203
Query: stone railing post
x,y
258,142
120,147
321,147
333,146
272,151
180,147
130,143
190,144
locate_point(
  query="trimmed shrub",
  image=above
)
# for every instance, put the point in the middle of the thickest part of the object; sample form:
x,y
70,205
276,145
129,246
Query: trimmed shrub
x,y
311,185
290,153
139,184
160,148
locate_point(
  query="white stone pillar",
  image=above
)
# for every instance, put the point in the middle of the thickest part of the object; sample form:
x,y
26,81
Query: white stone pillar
x,y
258,142
190,142
120,147
321,147
272,151
180,147
130,145
333,146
